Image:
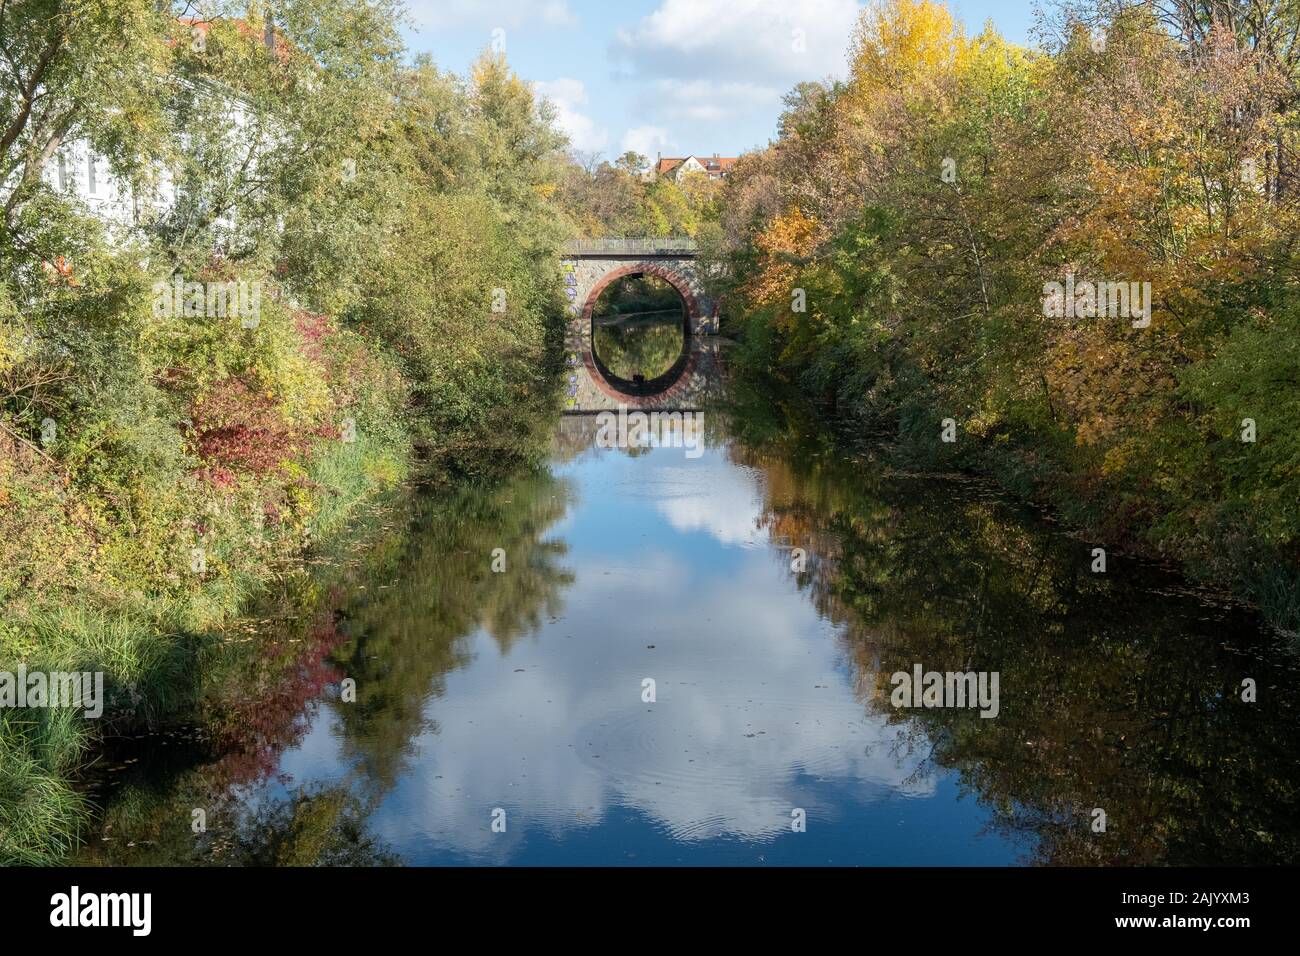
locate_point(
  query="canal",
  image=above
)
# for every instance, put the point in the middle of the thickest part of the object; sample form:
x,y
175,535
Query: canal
x,y
642,656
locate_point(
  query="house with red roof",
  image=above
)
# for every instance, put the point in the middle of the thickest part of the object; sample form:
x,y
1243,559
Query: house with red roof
x,y
715,166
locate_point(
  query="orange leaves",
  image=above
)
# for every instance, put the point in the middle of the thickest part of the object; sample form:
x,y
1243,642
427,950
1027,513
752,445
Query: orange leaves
x,y
1102,377
786,239
1169,161
59,272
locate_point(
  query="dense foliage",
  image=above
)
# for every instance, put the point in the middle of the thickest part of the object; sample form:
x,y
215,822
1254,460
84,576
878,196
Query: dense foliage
x,y
157,461
622,198
893,252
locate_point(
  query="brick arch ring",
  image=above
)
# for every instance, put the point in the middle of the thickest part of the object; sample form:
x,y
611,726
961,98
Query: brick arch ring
x,y
675,378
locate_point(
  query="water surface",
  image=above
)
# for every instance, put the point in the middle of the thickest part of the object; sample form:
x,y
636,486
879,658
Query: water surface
x,y
519,695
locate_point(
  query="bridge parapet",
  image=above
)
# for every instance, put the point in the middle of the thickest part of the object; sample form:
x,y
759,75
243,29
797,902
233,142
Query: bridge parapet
x,y
675,247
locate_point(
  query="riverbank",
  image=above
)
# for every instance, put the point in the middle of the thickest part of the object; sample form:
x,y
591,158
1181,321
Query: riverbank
x,y
134,596
214,349
154,613
1094,306
1039,471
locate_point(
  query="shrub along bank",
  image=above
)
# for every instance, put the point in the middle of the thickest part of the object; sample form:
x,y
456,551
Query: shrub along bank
x,y
901,252
163,456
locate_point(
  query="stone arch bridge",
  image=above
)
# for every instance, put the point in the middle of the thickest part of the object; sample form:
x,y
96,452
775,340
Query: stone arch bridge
x,y
591,266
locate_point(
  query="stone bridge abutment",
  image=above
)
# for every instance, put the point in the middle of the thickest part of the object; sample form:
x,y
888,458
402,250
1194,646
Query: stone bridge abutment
x,y
590,267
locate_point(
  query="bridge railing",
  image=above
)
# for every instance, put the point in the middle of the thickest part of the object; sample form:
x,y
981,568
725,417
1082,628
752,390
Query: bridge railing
x,y
629,247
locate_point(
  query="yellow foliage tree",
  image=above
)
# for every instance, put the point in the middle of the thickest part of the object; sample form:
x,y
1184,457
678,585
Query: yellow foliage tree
x,y
786,240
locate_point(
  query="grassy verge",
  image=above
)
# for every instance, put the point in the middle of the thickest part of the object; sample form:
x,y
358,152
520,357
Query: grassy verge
x,y
149,640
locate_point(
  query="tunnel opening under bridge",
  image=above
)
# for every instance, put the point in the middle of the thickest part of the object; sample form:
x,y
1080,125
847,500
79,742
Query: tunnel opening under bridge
x,y
639,320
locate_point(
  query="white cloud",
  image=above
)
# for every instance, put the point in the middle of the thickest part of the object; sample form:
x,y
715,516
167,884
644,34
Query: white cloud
x,y
564,89
755,707
707,102
760,42
709,62
728,506
558,736
568,95
507,14
646,140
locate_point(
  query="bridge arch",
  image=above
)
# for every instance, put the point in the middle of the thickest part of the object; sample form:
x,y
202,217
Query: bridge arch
x,y
661,388
591,266
682,285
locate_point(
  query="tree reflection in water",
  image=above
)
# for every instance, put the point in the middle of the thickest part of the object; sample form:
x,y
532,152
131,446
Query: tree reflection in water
x,y
638,328
389,607
1120,691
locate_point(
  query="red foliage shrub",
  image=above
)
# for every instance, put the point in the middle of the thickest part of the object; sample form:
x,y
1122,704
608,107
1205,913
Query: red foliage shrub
x,y
236,429
313,329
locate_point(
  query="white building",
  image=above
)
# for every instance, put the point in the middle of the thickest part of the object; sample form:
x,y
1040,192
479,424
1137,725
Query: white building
x,y
678,168
75,171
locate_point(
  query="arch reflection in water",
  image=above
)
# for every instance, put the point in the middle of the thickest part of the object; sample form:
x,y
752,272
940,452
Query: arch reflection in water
x,y
640,326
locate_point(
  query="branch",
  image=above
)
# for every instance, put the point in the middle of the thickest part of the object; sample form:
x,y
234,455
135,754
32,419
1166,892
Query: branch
x,y
17,437
52,47
34,165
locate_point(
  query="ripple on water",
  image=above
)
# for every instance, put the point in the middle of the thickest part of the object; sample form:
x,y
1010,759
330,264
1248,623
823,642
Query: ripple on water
x,y
729,763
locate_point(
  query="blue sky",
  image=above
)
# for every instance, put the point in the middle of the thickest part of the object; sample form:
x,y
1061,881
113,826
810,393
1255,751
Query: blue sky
x,y
670,76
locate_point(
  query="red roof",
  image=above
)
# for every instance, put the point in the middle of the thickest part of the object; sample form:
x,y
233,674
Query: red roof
x,y
200,26
712,164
